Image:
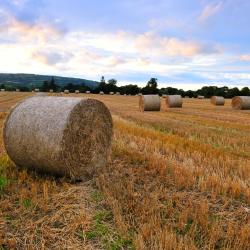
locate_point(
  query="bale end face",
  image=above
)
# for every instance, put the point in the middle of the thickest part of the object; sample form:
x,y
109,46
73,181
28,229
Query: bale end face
x,y
241,102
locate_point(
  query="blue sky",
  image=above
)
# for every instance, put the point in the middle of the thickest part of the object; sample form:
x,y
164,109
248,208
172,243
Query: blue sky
x,y
185,44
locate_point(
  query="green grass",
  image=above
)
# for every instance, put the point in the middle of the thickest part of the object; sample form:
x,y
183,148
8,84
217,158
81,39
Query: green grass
x,y
101,230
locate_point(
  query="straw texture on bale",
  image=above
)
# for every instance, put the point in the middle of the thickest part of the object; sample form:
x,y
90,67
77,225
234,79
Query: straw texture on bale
x,y
241,102
77,91
200,97
149,103
66,91
59,135
174,101
218,100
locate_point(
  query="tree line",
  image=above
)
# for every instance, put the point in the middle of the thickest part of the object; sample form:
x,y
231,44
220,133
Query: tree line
x,y
151,87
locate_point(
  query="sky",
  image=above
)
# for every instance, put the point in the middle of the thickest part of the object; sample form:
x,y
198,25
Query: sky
x,y
183,43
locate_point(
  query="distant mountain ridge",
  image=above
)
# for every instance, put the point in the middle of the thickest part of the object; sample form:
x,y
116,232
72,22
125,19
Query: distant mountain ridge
x,y
34,80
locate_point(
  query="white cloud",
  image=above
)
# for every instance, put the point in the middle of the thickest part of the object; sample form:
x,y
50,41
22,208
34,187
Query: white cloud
x,y
210,10
245,57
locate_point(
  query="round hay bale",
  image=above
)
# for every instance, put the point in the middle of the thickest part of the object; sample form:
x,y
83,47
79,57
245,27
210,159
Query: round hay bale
x,y
149,103
241,102
41,94
101,93
140,94
218,100
63,136
77,91
36,90
174,101
111,93
66,91
201,97
117,93
17,90
51,90
88,92
2,90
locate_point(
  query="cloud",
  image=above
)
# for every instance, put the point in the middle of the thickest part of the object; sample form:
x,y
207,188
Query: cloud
x,y
245,57
21,31
171,46
210,10
51,58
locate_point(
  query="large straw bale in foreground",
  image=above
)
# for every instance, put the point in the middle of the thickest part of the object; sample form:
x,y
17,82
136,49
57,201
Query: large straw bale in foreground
x,y
174,101
149,103
59,135
241,102
218,100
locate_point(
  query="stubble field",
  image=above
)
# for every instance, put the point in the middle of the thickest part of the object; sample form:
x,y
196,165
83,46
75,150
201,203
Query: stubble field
x,y
177,179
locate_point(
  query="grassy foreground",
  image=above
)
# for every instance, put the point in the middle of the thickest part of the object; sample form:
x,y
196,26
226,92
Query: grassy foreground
x,y
177,179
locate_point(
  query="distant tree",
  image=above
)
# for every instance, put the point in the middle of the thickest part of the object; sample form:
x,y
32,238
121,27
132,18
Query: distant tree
x,y
233,92
112,82
245,91
152,83
151,87
102,80
131,89
47,85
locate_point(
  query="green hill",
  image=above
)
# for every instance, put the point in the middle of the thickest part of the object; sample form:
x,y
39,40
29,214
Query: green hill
x,y
32,80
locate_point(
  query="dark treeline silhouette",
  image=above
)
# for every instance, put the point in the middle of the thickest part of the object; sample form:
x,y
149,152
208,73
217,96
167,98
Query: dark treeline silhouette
x,y
132,89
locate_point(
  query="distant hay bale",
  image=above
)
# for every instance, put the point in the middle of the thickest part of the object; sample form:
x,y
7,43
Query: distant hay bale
x,y
149,103
51,90
140,94
87,92
174,101
101,93
17,90
117,93
63,136
36,90
218,100
66,91
2,90
41,94
241,102
125,94
77,91
201,97
111,93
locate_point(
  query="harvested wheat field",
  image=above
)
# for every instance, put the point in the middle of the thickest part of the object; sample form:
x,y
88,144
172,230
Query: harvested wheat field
x,y
177,179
